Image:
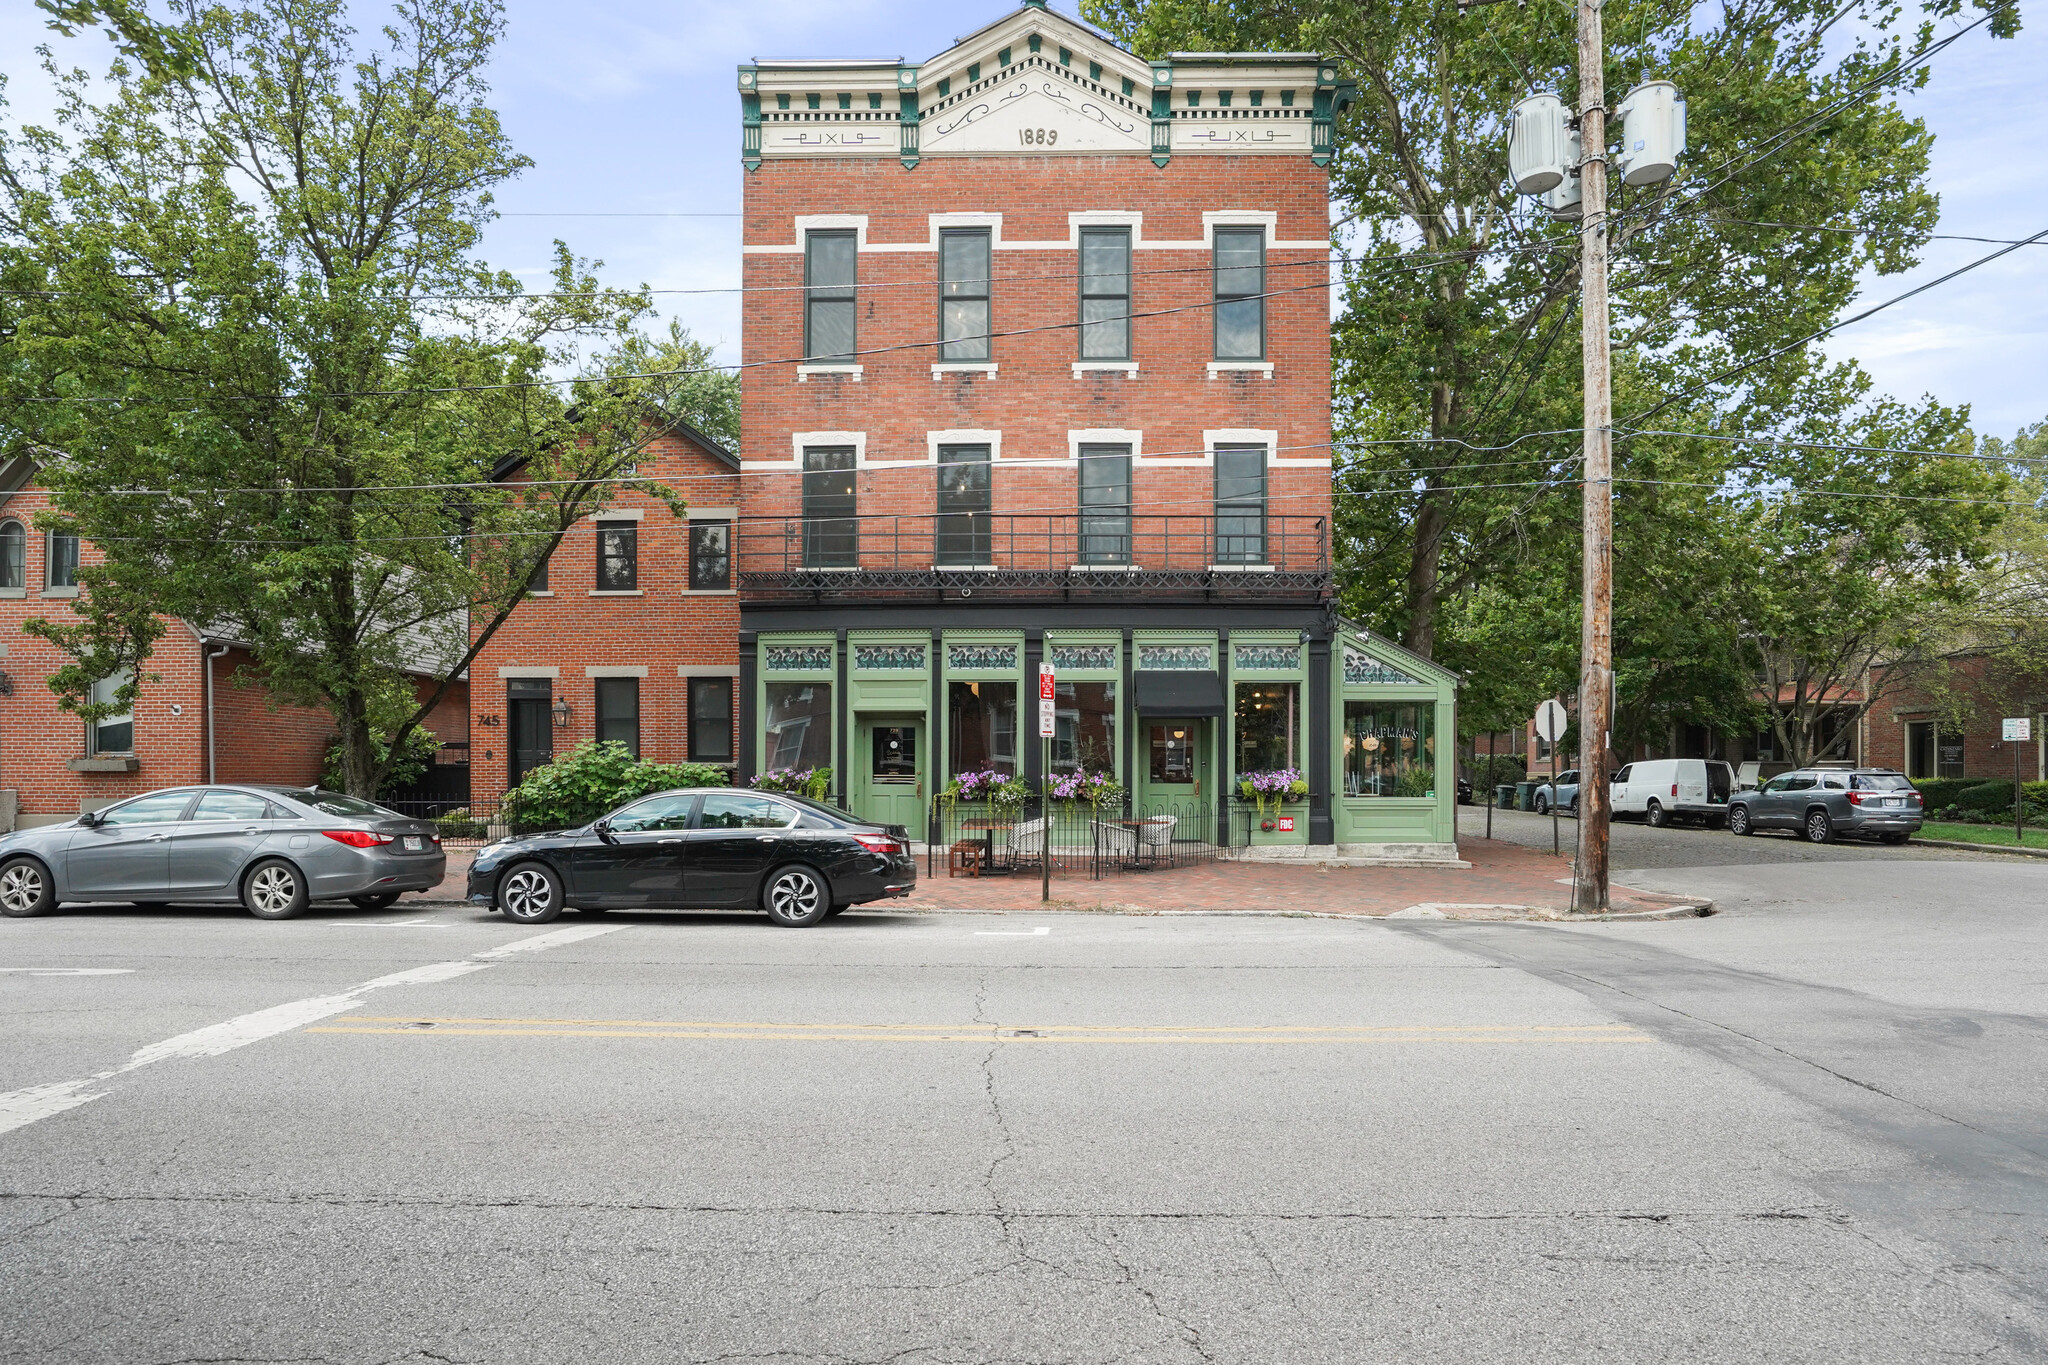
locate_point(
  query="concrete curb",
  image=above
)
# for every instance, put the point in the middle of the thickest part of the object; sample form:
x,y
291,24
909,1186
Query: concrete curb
x,y
1533,914
1969,847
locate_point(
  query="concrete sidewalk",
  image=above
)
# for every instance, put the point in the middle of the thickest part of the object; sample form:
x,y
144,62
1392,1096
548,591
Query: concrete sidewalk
x,y
1504,881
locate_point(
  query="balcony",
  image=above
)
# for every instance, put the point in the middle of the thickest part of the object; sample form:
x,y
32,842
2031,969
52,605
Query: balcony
x,y
1083,557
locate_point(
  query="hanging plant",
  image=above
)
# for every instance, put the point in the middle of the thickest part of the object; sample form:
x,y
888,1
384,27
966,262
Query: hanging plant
x,y
1271,787
1003,791
811,782
1097,789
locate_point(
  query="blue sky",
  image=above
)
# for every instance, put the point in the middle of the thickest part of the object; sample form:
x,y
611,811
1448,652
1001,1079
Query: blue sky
x,y
629,108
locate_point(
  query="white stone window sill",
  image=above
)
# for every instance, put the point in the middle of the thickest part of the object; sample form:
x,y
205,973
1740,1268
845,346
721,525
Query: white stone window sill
x,y
831,568
1241,568
1264,367
940,367
804,372
1129,367
539,592
618,592
1102,568
710,592
58,592
13,592
965,568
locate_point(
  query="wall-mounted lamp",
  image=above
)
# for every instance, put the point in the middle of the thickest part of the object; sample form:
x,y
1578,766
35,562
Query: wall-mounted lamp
x,y
561,710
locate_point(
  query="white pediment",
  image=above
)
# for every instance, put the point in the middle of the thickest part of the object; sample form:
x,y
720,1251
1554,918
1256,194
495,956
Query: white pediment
x,y
1034,112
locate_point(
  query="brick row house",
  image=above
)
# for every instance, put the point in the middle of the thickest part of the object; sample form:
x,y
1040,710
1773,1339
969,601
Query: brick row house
x,y
1038,349
196,721
630,633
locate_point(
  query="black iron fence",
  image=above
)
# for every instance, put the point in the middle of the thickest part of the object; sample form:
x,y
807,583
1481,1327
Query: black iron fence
x,y
975,839
462,823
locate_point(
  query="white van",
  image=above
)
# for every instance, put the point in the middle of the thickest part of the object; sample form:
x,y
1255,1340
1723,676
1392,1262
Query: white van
x,y
1659,789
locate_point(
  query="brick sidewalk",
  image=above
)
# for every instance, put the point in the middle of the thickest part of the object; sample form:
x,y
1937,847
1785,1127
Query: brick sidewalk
x,y
1503,881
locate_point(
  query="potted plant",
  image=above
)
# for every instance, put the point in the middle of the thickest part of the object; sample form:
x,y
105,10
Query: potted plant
x,y
1097,789
1269,788
811,782
1003,791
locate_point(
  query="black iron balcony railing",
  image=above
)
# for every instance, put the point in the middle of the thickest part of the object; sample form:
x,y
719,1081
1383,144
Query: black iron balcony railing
x,y
1238,553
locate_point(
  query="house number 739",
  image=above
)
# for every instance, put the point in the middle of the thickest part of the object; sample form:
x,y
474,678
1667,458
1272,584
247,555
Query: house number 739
x,y
1038,137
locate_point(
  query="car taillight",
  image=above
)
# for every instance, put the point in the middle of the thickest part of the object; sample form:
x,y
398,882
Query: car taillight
x,y
358,838
1674,790
1855,798
878,843
1914,798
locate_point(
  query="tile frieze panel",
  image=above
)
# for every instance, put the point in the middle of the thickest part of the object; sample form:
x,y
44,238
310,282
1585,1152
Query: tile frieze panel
x,y
980,658
1176,658
796,658
870,657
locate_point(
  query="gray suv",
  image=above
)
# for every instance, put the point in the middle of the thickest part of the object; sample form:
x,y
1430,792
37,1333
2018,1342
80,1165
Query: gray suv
x,y
1822,803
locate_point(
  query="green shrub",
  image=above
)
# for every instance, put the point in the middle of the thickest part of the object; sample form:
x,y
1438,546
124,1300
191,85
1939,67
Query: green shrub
x,y
595,777
413,759
1939,793
459,824
1504,768
1988,798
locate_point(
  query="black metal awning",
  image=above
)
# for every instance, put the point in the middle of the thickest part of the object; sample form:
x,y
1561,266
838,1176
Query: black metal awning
x,y
1162,692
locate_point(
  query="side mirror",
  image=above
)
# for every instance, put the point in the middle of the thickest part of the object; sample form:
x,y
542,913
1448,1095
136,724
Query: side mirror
x,y
90,819
603,830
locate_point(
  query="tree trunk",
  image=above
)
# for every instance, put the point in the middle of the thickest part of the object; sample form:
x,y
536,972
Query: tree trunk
x,y
1425,564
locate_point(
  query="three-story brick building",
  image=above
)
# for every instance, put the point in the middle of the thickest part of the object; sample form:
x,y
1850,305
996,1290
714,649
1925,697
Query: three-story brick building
x,y
1038,370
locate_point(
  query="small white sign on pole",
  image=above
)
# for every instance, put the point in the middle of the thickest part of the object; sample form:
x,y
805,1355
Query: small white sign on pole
x,y
1551,720
1047,714
2018,728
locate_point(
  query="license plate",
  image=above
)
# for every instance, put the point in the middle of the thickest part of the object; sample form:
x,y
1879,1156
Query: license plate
x,y
1895,800
415,842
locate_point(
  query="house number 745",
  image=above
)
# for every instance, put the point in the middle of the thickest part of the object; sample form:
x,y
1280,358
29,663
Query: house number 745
x,y
1038,137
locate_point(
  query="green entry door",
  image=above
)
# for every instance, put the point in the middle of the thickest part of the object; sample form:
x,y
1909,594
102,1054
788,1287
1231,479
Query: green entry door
x,y
892,762
1174,766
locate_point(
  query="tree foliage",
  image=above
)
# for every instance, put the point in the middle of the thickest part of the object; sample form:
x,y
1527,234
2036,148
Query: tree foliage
x,y
251,349
1457,386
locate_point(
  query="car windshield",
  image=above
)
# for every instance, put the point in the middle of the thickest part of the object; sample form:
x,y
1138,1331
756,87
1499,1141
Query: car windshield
x,y
349,807
1879,782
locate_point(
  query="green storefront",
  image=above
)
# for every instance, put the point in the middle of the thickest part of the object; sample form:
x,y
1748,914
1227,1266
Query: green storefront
x,y
1178,715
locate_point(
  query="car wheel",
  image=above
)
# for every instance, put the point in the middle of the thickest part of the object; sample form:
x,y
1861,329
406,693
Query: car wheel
x,y
274,889
1654,816
1738,821
25,889
1819,828
381,900
796,897
530,893
1573,809
1542,805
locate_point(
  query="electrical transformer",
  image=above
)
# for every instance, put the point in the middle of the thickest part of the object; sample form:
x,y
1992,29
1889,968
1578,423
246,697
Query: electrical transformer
x,y
1539,144
1652,133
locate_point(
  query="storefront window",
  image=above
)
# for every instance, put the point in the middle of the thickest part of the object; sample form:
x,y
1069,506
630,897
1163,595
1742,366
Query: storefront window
x,y
1266,725
1389,748
983,721
1084,733
799,725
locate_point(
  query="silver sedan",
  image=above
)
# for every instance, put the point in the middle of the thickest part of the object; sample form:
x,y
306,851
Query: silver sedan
x,y
273,849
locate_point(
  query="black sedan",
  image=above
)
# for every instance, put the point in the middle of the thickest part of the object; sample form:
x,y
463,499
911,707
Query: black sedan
x,y
711,848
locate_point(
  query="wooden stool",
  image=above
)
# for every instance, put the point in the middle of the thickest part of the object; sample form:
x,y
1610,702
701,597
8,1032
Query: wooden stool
x,y
964,857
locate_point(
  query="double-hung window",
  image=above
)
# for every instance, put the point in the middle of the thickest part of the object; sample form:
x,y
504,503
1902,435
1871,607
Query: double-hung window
x,y
13,556
618,712
963,294
62,560
1105,504
829,301
1240,504
711,720
710,556
831,532
1240,293
1105,294
111,734
965,523
618,556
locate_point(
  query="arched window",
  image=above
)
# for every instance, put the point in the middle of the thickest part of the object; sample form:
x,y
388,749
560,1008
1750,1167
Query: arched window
x,y
13,556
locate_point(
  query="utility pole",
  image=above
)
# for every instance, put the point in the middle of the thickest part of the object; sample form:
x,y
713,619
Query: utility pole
x,y
1596,628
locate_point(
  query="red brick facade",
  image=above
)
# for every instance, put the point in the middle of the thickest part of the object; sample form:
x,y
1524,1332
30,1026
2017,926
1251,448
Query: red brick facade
x,y
1905,729
44,758
662,633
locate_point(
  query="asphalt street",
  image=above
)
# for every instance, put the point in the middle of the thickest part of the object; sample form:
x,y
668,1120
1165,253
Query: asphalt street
x,y
1636,845
1809,1128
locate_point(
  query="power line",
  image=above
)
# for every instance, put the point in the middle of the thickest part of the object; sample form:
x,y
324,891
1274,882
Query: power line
x,y
1815,335
1834,445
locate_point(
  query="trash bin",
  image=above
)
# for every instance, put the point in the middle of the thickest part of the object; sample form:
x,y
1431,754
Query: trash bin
x,y
1525,795
1504,796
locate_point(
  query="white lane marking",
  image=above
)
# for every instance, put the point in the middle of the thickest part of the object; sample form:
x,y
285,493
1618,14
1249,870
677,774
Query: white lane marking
x,y
69,971
19,1108
1040,932
388,924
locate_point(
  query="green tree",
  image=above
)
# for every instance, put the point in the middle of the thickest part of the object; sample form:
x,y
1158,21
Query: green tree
x,y
1458,333
251,349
